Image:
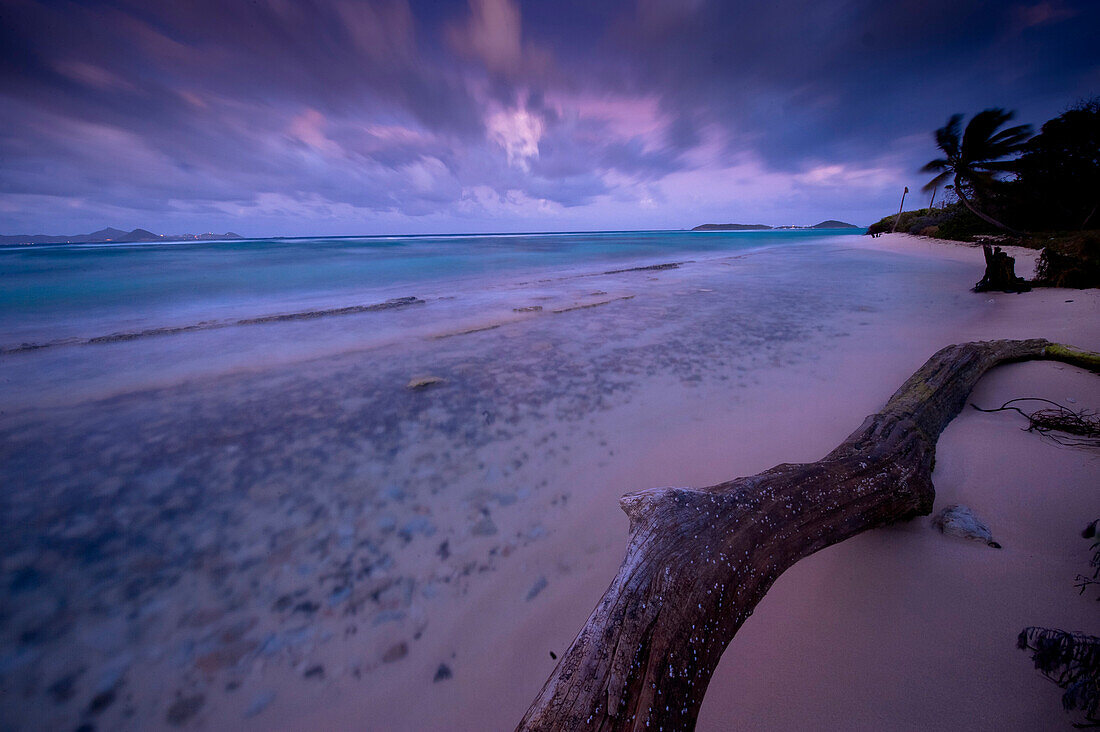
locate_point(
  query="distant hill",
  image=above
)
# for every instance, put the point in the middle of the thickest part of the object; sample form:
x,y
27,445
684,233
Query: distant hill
x,y
731,227
834,224
110,234
830,224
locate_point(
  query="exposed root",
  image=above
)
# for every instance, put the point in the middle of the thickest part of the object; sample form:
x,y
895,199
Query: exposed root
x,y
1083,426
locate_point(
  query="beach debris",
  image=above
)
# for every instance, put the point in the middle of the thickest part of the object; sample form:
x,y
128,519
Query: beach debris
x,y
1082,426
396,652
960,521
1083,582
422,382
539,586
619,663
315,672
528,309
442,673
184,708
1070,660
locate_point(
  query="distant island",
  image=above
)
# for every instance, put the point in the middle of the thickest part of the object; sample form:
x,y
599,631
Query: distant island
x,y
830,224
112,235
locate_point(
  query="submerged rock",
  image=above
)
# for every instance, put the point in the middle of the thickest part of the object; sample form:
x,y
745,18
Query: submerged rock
x,y
396,653
442,673
484,527
960,521
423,382
539,586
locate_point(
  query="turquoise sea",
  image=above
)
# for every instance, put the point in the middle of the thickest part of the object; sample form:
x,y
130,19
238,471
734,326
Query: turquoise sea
x,y
50,293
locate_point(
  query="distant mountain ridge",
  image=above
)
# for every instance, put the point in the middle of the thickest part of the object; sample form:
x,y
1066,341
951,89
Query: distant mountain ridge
x,y
111,234
829,224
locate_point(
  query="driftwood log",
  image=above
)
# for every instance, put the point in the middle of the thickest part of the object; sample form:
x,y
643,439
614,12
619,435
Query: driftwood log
x,y
700,559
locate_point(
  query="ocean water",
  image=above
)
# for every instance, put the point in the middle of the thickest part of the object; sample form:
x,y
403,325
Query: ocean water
x,y
198,513
52,293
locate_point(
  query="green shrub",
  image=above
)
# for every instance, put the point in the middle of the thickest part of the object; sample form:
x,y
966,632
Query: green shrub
x,y
951,222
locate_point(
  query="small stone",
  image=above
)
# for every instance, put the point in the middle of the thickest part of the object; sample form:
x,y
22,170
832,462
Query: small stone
x,y
539,586
184,708
484,527
423,382
960,521
442,673
396,653
315,672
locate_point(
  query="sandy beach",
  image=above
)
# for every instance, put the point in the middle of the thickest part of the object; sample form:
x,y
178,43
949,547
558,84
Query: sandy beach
x,y
438,595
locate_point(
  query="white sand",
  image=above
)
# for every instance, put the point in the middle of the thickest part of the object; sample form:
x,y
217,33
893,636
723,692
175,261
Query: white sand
x,y
900,628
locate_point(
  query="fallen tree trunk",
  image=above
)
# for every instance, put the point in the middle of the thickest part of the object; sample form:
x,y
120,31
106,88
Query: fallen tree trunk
x,y
700,559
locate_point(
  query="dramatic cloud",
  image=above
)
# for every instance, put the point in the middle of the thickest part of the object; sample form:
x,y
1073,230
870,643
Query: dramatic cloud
x,y
349,116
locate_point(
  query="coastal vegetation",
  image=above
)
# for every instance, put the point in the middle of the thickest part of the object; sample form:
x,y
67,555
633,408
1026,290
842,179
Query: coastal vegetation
x,y
1040,192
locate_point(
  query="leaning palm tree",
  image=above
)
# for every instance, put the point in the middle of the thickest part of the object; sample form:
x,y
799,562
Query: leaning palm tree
x,y
975,157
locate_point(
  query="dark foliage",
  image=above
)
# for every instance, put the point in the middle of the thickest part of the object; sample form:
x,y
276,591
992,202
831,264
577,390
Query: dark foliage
x,y
976,159
1058,184
1071,260
1070,660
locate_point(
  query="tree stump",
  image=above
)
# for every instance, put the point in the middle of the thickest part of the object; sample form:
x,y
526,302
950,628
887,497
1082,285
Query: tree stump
x,y
1000,273
700,559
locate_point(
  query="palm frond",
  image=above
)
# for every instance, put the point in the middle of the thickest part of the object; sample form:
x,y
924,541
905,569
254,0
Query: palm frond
x,y
980,130
947,137
933,165
938,181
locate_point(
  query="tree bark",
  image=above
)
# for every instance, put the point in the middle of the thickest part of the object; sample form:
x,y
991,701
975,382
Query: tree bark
x,y
700,559
1000,273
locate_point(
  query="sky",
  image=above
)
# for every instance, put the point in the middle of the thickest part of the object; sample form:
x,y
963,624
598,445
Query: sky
x,y
338,117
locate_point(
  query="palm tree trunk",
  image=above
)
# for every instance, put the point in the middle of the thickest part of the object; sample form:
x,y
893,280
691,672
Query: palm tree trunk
x,y
984,217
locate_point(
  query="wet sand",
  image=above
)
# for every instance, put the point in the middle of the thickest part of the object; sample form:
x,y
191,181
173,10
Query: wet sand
x,y
315,546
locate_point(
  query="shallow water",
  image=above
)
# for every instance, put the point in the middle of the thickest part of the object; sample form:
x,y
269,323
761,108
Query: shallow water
x,y
55,292
185,513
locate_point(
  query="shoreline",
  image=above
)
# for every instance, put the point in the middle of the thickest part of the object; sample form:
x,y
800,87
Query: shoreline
x,y
487,504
